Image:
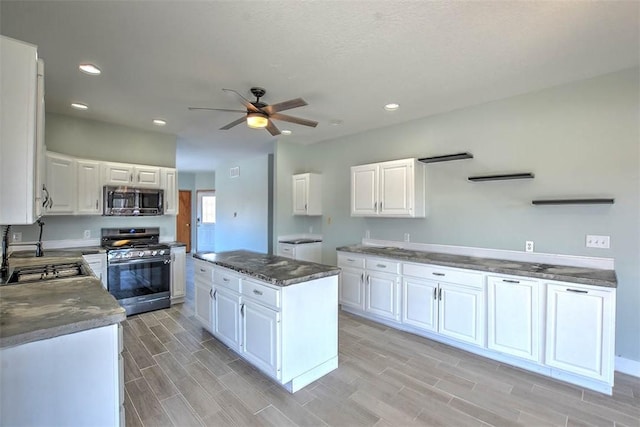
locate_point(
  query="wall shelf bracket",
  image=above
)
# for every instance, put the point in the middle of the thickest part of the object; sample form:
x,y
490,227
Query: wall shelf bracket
x,y
446,158
525,175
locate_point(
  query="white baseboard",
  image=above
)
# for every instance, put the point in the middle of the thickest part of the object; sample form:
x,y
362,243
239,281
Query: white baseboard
x,y
628,366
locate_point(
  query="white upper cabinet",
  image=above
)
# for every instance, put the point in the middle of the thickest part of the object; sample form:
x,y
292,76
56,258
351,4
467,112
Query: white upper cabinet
x,y
60,184
21,132
307,194
393,189
89,195
133,175
169,184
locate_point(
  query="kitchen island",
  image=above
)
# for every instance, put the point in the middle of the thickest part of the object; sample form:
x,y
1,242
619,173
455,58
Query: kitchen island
x,y
279,314
59,349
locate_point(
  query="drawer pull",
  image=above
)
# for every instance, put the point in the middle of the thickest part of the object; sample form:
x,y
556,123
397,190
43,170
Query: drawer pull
x,y
224,279
438,274
510,281
257,292
579,291
351,260
381,265
203,270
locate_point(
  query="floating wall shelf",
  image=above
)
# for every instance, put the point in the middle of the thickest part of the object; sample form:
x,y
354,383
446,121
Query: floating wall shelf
x,y
573,202
527,175
446,158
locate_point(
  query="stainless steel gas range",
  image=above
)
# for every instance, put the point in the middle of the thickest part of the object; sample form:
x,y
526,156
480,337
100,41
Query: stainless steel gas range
x,y
138,268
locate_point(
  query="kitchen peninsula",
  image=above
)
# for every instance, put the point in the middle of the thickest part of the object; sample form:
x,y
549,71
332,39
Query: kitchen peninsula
x,y
60,349
279,314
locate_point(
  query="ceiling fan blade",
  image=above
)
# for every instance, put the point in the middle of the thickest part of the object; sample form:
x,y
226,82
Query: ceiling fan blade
x,y
245,101
296,120
286,105
234,123
216,109
273,130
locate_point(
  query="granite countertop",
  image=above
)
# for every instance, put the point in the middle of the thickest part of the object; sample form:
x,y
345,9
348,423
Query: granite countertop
x,y
40,310
582,275
174,244
272,269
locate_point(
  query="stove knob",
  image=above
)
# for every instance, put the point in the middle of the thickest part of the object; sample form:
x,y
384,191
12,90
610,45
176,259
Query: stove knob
x,y
162,252
141,253
126,255
154,253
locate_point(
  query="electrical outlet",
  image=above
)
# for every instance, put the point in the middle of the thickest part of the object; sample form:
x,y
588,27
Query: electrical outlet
x,y
528,246
87,234
16,236
367,234
600,242
407,237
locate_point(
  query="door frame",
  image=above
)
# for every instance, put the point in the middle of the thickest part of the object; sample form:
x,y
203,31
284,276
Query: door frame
x,y
190,219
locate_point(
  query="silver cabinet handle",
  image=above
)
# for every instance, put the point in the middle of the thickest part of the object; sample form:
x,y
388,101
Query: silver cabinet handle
x,y
438,274
131,177
224,279
203,270
510,281
368,279
257,292
214,294
578,291
351,260
210,293
381,265
96,204
435,293
440,294
375,206
242,309
362,278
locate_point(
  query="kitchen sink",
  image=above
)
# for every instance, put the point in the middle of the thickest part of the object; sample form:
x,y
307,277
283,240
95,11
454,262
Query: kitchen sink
x,y
39,273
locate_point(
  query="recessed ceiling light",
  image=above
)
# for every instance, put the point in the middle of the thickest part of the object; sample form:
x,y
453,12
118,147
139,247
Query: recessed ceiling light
x,y
79,106
392,107
286,132
159,122
90,69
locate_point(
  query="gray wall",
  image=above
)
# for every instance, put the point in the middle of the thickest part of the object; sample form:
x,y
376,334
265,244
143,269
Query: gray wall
x,y
242,205
95,140
580,140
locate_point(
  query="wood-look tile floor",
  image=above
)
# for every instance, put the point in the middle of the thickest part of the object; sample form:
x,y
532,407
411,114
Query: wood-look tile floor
x,y
177,374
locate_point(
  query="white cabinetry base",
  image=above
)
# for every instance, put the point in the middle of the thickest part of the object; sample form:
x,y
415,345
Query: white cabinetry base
x,y
599,386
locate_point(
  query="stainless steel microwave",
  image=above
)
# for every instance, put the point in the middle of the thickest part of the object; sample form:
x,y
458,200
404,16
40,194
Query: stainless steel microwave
x,y
132,201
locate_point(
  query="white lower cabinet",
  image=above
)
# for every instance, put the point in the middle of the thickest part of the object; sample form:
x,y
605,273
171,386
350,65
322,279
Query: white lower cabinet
x,y
351,281
432,303
226,317
178,274
580,330
249,316
98,265
203,287
513,316
382,295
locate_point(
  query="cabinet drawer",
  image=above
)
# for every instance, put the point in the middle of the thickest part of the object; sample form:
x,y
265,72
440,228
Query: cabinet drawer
x,y
203,271
227,279
377,264
348,260
263,294
443,274
287,250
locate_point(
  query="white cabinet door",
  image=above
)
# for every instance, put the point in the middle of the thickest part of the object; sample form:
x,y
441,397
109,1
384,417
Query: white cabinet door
x,y
352,288
396,188
513,317
61,184
307,194
203,302
261,335
178,273
169,184
118,173
580,331
89,187
364,190
146,176
227,317
21,132
420,303
461,313
381,295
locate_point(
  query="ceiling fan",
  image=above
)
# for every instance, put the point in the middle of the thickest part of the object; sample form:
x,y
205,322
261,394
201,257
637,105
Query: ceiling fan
x,y
259,115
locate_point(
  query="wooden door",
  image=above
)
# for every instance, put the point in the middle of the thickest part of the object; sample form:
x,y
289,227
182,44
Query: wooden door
x,y
183,219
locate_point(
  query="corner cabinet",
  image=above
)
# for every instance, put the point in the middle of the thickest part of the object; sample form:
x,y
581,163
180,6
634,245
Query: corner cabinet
x,y
581,330
394,189
21,132
307,194
169,184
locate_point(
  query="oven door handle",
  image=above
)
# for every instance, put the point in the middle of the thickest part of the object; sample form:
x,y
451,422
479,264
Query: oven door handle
x,y
139,261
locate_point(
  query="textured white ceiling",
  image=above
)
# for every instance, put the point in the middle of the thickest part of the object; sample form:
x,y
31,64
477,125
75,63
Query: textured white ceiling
x,y
345,58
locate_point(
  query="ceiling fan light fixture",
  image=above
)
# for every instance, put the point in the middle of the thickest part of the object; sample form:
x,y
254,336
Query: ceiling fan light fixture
x,y
90,69
257,120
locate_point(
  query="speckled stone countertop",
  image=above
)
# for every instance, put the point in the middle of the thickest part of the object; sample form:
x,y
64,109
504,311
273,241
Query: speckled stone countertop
x,y
582,275
40,310
272,269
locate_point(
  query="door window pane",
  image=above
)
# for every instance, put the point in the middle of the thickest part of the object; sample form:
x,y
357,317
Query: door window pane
x,y
209,209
